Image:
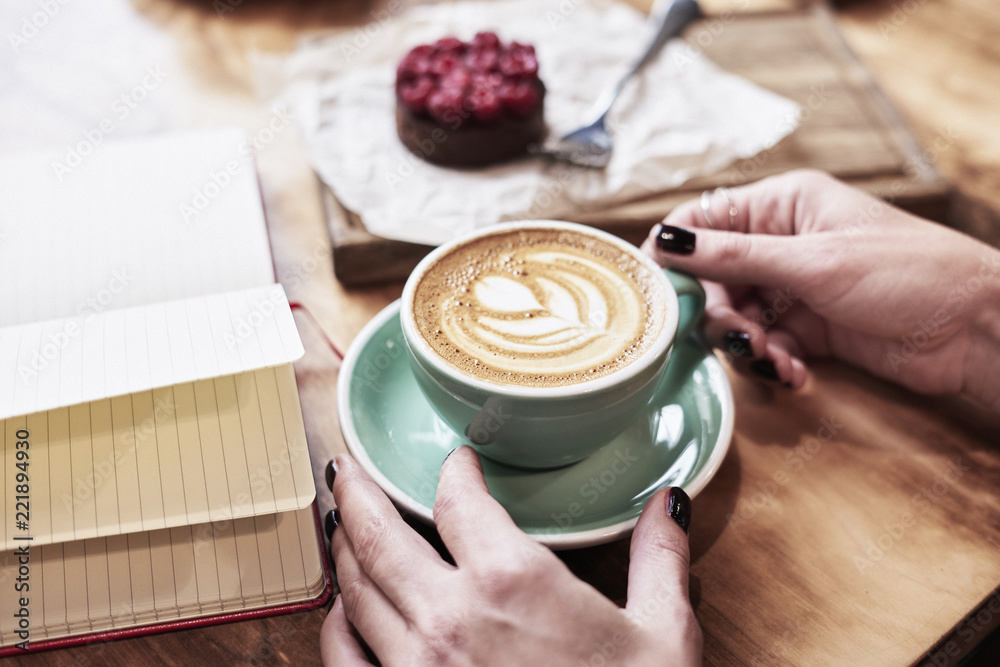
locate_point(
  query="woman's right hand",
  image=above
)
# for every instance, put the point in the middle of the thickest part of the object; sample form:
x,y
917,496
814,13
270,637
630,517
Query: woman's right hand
x,y
814,268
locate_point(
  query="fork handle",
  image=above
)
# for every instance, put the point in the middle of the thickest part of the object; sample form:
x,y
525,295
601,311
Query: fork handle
x,y
674,20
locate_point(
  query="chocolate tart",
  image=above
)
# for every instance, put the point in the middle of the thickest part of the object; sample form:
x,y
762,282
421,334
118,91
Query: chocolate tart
x,y
470,104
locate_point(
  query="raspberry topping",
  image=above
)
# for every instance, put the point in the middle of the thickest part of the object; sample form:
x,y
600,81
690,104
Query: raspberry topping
x,y
414,93
487,40
519,97
446,104
484,103
484,79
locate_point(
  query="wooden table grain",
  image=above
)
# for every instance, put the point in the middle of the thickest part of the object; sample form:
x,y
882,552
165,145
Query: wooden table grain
x,y
852,523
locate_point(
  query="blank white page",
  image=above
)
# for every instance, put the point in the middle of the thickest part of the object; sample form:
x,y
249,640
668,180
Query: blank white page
x,y
132,223
51,364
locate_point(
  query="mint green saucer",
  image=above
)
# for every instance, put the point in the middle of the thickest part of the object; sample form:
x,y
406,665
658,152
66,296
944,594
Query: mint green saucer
x,y
395,435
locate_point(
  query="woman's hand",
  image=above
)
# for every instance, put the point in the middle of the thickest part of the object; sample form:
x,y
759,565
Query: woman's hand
x,y
815,268
506,600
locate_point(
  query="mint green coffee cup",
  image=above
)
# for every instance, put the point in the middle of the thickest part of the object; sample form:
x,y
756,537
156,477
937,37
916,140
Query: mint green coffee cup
x,y
465,346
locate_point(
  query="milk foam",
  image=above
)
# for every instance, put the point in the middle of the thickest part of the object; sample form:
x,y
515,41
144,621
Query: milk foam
x,y
538,307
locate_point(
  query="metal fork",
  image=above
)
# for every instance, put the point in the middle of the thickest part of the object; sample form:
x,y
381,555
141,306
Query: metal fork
x,y
590,146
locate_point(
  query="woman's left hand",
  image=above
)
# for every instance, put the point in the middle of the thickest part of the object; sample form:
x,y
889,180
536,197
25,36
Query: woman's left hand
x,y
507,599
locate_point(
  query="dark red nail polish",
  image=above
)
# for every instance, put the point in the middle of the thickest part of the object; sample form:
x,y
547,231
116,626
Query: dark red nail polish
x,y
674,240
765,369
330,523
331,473
738,343
679,507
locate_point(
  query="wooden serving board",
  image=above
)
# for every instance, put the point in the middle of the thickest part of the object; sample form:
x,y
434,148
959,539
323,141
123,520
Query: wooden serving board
x,y
848,128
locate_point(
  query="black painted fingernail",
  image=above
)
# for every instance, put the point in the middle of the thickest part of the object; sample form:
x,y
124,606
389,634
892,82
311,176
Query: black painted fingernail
x,y
674,240
449,454
787,385
738,343
331,473
330,523
765,369
679,507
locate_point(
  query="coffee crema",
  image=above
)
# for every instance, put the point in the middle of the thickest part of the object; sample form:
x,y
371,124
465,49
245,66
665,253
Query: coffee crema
x,y
539,307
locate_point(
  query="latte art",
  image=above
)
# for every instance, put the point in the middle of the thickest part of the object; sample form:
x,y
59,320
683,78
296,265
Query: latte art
x,y
536,307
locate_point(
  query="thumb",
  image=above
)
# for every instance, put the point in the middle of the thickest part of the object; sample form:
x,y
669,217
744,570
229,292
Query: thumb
x,y
763,260
658,563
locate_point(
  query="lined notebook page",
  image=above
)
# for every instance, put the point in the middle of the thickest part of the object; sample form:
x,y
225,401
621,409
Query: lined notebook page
x,y
166,575
116,231
67,361
212,450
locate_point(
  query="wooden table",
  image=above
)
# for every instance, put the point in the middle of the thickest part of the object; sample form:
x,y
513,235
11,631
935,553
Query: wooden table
x,y
852,522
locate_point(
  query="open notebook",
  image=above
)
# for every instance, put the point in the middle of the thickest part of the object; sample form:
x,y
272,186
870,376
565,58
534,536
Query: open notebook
x,y
155,459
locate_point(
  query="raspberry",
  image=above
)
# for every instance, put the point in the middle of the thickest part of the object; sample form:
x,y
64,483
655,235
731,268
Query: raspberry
x,y
487,40
520,97
518,63
445,105
482,59
516,48
445,62
451,79
415,63
450,45
414,94
484,104
488,80
457,78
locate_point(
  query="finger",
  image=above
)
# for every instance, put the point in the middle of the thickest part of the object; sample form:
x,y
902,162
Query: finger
x,y
728,330
796,372
471,523
366,606
339,645
777,205
658,562
738,259
777,366
398,560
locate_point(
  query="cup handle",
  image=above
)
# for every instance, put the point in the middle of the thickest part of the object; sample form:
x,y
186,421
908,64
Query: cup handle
x,y
691,297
